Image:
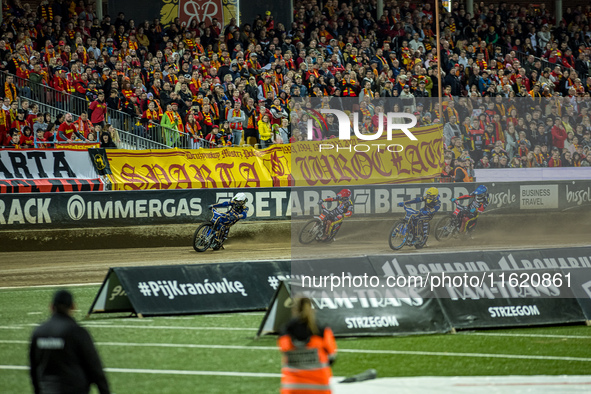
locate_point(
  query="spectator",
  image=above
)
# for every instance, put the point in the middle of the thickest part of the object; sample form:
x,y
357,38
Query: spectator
x,y
576,160
67,131
236,118
265,131
42,121
172,124
567,160
476,57
515,162
107,141
558,134
483,163
277,112
283,131
83,125
555,160
503,162
27,138
193,131
19,123
50,133
408,99
460,172
40,141
450,130
98,109
10,90
250,112
476,137
498,149
13,139
511,141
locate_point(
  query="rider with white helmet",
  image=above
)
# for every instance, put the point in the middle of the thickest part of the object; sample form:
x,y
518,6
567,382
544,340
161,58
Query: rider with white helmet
x,y
238,210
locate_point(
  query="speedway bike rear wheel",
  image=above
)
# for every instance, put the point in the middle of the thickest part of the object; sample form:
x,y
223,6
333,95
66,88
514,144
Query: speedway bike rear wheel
x,y
444,228
422,238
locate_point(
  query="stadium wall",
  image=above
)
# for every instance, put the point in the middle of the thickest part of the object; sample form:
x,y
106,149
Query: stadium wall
x,y
157,207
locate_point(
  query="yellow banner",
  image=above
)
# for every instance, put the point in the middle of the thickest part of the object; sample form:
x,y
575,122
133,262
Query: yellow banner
x,y
77,146
308,163
355,161
200,168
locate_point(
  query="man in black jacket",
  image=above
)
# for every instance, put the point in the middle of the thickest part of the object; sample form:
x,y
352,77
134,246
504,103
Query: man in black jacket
x,y
62,355
452,80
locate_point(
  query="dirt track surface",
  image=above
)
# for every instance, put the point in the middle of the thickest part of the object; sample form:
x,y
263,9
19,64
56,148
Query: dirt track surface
x,y
357,237
91,266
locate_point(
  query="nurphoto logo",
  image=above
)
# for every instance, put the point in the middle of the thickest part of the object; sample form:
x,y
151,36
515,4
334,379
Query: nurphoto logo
x,y
392,123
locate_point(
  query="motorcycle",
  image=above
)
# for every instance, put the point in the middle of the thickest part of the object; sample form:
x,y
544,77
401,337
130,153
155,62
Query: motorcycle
x,y
405,232
315,229
451,225
210,235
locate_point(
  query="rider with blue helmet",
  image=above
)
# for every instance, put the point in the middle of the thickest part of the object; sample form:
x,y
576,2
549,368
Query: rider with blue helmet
x,y
477,206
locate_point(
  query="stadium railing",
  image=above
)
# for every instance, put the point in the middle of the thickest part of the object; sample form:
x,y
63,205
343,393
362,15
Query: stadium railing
x,y
133,134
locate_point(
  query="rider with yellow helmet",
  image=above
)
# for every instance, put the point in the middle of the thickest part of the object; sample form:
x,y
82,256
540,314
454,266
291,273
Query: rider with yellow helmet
x,y
425,214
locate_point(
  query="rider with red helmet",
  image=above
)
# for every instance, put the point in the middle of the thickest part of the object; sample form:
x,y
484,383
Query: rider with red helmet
x,y
344,208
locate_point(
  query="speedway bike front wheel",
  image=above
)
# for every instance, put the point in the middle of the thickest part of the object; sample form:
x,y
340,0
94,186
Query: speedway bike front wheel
x,y
203,237
311,231
398,235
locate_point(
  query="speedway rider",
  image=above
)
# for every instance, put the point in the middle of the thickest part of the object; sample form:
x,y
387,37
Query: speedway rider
x,y
344,208
479,203
425,214
237,211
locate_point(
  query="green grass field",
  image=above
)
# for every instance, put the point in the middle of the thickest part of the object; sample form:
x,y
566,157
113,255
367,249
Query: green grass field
x,y
184,354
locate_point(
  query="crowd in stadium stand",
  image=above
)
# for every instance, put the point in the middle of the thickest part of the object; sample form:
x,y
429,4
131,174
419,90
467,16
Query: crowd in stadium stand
x,y
516,84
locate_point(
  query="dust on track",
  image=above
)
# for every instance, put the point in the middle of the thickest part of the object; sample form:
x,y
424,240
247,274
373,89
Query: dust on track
x,y
356,238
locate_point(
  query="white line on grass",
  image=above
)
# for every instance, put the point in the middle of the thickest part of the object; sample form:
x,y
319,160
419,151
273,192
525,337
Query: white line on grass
x,y
49,286
217,315
102,325
206,373
499,334
119,320
479,355
171,327
361,351
170,372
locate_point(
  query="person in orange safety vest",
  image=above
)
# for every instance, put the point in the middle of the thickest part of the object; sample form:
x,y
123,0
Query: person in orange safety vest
x,y
307,353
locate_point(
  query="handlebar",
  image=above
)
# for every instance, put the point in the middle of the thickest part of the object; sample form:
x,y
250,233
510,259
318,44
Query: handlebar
x,y
459,204
408,209
321,204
